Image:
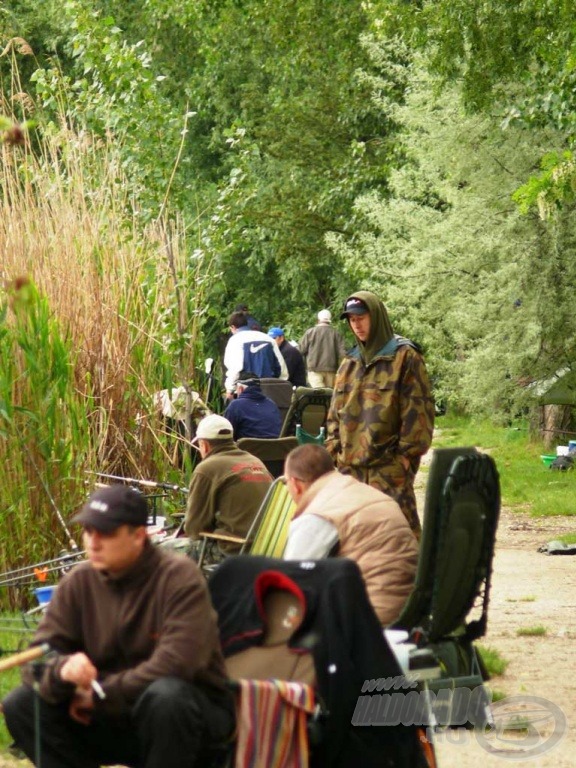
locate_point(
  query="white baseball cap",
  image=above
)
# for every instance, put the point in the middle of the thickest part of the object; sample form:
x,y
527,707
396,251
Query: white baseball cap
x,y
214,427
324,316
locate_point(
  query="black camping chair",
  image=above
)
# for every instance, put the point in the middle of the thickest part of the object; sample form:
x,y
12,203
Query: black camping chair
x,y
448,607
280,391
271,451
333,622
308,408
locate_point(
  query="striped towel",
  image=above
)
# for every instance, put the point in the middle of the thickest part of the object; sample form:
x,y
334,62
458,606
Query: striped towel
x,y
272,724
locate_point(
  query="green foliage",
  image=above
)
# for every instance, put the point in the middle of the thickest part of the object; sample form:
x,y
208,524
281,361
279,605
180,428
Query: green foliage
x,y
495,663
535,631
292,95
42,422
527,486
552,189
457,265
519,58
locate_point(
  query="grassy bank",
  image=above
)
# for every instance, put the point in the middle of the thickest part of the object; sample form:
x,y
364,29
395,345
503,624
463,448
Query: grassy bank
x,y
527,485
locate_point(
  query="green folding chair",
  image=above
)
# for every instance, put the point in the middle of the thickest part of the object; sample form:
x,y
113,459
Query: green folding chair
x,y
448,607
269,530
309,408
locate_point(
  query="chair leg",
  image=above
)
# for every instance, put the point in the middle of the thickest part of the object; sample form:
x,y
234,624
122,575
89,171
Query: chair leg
x,y
202,553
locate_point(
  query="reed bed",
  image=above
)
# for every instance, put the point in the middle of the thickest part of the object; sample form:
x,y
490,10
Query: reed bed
x,y
97,313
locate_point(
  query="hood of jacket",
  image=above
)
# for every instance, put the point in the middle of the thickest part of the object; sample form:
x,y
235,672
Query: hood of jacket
x,y
381,338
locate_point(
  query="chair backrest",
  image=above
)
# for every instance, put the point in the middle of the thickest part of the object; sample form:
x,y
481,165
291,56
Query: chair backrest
x,y
344,635
271,451
280,391
309,408
269,531
457,546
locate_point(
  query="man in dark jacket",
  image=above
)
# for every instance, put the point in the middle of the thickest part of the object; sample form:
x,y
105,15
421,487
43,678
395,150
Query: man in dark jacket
x,y
293,357
137,675
252,414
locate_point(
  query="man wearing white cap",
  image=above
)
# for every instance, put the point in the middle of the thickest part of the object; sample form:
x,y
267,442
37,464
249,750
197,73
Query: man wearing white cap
x,y
227,487
323,348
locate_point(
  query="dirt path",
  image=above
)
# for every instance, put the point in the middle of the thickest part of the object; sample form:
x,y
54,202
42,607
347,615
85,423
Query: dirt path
x,y
529,589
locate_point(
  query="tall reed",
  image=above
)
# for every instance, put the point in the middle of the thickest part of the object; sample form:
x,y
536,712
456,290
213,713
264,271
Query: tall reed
x,y
98,313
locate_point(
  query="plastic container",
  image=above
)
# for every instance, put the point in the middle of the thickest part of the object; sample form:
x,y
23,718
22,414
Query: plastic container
x,y
400,648
395,636
547,460
571,445
44,594
562,450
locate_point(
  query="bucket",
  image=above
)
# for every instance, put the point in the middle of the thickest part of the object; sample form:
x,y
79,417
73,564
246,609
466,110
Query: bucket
x,y
571,445
547,460
44,594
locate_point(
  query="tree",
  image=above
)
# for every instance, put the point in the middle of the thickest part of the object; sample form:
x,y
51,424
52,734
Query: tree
x,y
484,288
289,90
518,58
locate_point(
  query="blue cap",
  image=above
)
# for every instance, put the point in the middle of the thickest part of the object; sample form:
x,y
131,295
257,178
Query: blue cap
x,y
274,333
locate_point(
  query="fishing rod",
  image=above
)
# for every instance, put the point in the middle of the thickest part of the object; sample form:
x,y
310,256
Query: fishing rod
x,y
34,573
71,543
145,483
18,659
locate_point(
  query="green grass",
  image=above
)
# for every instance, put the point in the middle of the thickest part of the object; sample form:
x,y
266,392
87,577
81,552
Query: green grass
x,y
536,631
526,484
568,538
495,663
15,634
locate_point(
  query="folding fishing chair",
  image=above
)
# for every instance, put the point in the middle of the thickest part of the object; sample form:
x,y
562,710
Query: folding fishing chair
x,y
269,530
308,623
309,408
448,607
271,451
280,391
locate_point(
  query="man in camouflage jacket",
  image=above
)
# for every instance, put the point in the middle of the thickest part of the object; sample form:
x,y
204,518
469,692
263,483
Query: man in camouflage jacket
x,y
381,416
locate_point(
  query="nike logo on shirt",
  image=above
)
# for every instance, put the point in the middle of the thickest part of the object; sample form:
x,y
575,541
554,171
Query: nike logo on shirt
x,y
257,347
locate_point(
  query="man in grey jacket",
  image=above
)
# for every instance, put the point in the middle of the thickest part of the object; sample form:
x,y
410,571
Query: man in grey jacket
x,y
136,676
323,348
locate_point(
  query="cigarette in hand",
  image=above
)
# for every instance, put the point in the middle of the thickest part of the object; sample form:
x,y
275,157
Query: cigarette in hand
x,y
98,690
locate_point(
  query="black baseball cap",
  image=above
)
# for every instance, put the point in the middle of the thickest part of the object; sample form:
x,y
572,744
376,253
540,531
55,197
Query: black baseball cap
x,y
110,507
354,306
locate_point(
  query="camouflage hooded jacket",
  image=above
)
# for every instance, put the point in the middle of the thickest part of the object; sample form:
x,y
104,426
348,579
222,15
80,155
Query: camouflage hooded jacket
x,y
382,411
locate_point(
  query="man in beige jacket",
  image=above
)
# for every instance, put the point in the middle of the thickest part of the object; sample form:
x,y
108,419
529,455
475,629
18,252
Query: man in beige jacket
x,y
337,514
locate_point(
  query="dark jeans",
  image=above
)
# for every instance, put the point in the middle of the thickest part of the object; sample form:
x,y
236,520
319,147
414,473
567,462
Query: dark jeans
x,y
174,724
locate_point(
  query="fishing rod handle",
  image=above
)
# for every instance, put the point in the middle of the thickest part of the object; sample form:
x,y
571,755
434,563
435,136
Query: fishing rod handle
x,y
17,659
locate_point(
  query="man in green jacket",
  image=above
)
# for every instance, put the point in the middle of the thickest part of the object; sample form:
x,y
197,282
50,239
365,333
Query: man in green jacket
x,y
227,487
381,417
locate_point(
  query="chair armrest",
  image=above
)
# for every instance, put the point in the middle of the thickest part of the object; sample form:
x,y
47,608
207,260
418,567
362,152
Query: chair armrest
x,y
220,537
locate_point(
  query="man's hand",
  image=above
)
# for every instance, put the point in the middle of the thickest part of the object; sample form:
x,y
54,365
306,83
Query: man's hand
x,y
81,706
78,669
